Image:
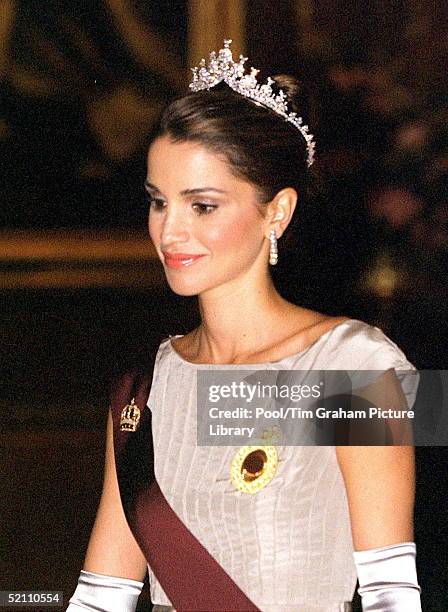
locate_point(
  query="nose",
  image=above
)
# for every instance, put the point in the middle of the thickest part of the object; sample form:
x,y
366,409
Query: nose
x,y
174,227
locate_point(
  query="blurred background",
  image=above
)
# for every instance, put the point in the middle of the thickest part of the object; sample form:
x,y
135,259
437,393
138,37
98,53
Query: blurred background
x,y
82,84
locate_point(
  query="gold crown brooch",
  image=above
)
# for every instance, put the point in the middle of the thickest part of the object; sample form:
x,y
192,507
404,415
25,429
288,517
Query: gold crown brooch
x,y
130,417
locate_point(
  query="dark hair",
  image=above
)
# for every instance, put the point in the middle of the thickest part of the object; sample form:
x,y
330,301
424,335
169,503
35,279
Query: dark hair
x,y
259,145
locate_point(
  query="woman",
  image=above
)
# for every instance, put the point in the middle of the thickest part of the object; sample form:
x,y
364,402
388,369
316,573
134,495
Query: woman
x,y
225,174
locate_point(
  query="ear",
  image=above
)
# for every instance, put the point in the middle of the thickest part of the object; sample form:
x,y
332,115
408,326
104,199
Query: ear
x,y
280,211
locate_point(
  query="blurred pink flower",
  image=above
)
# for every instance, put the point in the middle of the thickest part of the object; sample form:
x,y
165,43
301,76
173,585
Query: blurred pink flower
x,y
396,205
346,79
411,136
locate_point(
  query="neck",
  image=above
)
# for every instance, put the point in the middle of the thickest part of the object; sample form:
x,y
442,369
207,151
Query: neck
x,y
239,319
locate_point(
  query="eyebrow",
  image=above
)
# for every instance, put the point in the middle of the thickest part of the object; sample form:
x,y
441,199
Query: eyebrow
x,y
150,187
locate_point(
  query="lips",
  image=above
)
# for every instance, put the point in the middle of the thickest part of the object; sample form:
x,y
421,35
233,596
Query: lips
x,y
180,260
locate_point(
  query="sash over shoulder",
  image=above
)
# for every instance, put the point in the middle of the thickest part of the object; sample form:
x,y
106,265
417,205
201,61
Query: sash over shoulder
x,y
189,575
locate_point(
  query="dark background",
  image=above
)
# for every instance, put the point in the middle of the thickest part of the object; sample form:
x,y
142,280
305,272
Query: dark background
x,y
77,102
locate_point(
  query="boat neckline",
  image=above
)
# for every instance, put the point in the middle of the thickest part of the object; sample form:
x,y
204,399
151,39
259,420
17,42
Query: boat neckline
x,y
260,363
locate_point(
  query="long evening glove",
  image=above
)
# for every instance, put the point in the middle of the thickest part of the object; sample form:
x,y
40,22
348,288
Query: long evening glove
x,y
388,578
105,593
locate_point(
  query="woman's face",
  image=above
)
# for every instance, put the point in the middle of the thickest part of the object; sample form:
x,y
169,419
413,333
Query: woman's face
x,y
203,221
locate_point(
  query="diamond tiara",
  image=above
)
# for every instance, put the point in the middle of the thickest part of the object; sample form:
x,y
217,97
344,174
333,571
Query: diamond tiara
x,y
221,67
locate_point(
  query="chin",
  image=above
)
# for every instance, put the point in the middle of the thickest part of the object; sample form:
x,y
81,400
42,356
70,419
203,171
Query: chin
x,y
180,287
189,287
183,291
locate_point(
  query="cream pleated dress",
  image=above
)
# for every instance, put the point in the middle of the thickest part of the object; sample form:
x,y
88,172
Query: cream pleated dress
x,y
288,546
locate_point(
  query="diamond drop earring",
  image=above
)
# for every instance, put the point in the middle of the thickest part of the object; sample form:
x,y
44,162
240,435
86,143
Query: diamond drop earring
x,y
273,251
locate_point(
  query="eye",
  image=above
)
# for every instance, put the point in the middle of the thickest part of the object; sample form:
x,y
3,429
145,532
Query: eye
x,y
204,209
201,208
155,203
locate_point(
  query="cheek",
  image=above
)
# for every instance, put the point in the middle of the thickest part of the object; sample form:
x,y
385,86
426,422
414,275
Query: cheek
x,y
239,234
154,228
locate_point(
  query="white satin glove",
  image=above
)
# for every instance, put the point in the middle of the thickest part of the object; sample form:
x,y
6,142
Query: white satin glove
x,y
388,578
105,593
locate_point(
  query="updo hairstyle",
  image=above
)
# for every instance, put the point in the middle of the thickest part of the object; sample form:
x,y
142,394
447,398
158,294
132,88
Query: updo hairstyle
x,y
259,145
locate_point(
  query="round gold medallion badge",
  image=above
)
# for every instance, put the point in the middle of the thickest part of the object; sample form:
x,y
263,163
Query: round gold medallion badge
x,y
253,467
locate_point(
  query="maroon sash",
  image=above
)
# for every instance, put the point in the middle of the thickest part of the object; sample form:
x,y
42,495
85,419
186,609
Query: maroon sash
x,y
192,579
